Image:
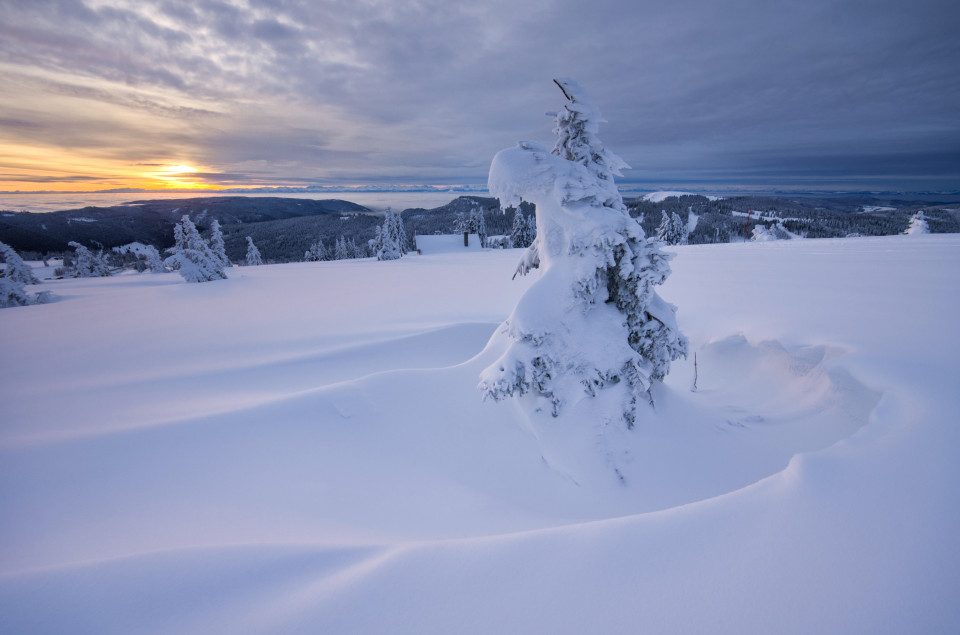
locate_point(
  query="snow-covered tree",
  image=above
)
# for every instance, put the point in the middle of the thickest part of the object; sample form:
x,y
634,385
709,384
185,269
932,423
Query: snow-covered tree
x,y
192,256
389,249
14,268
391,237
519,230
592,323
12,293
353,250
762,233
253,254
316,252
145,256
665,229
679,229
672,229
341,251
472,223
394,222
14,276
216,243
480,226
918,224
524,230
88,264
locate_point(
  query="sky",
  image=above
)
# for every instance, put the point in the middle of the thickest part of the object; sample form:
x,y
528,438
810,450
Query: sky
x,y
709,94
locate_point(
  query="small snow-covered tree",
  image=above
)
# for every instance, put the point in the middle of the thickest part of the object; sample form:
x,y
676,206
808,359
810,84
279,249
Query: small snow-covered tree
x,y
253,254
665,229
390,237
316,252
680,233
340,252
472,223
524,229
395,225
192,256
918,224
461,223
14,268
216,243
88,264
531,229
14,276
592,323
12,293
519,229
354,250
479,224
389,246
145,256
672,229
761,234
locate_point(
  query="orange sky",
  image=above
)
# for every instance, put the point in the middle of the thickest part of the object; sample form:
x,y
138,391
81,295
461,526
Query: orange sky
x,y
58,170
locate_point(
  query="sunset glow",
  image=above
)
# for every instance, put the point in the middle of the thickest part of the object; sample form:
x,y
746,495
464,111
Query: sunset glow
x,y
211,95
180,177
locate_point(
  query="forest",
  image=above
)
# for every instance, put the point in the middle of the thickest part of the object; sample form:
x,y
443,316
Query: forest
x,y
285,229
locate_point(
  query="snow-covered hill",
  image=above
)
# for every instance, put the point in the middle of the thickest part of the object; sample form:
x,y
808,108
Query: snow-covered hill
x,y
302,448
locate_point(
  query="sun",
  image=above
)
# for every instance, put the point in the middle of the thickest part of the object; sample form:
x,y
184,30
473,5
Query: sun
x,y
180,176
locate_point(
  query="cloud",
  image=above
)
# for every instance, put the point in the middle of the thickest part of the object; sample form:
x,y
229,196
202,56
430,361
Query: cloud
x,y
378,90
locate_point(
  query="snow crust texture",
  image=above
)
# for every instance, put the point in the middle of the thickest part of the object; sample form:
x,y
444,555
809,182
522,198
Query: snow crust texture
x,y
278,453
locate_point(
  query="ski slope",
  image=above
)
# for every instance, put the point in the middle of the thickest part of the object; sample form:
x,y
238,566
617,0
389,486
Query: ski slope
x,y
302,449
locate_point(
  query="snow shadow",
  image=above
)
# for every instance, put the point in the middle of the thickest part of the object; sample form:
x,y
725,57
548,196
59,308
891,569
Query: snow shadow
x,y
752,408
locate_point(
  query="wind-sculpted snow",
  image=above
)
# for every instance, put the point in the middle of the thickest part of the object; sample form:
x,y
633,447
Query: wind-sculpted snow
x,y
279,453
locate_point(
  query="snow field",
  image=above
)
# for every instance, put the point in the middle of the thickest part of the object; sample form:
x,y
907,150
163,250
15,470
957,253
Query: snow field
x,y
302,448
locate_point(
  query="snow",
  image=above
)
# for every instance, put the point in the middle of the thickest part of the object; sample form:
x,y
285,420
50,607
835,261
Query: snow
x,y
447,243
660,196
918,225
278,452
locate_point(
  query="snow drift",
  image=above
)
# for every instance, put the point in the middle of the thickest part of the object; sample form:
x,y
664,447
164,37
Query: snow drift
x,y
277,452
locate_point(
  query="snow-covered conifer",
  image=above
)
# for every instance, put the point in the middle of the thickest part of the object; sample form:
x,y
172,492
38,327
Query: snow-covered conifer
x,y
88,264
354,250
524,230
340,252
518,230
461,223
12,293
391,237
472,223
479,226
253,254
376,243
146,256
531,229
14,267
14,276
316,252
389,244
680,233
192,256
665,229
592,322
394,223
216,243
918,224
